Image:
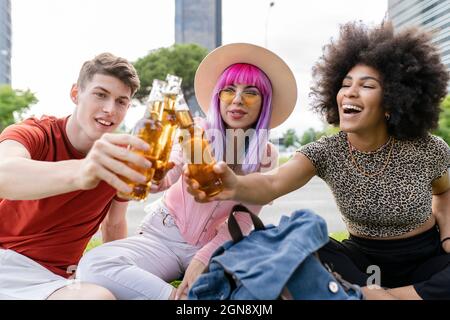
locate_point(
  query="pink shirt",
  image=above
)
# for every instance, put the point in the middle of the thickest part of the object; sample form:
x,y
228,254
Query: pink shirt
x,y
204,224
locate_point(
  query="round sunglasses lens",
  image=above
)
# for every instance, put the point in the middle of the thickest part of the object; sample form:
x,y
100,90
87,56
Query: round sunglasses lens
x,y
227,96
249,98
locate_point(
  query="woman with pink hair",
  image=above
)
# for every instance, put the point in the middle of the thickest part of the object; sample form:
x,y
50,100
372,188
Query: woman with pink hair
x,y
245,90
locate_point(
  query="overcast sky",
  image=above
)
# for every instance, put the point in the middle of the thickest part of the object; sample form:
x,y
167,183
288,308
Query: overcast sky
x,y
52,38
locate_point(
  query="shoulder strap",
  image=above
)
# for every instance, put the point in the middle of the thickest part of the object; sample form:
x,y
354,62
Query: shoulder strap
x,y
233,226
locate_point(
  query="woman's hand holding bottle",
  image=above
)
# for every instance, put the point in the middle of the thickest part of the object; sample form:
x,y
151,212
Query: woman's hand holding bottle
x,y
229,182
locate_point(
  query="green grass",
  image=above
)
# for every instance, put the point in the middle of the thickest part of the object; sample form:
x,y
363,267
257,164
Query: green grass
x,y
94,242
176,283
283,160
339,236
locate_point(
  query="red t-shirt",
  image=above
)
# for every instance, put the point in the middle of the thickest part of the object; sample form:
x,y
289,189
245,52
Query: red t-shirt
x,y
53,231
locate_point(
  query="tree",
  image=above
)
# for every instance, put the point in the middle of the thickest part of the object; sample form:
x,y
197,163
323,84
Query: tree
x,y
312,135
180,59
290,138
444,121
329,130
13,103
309,135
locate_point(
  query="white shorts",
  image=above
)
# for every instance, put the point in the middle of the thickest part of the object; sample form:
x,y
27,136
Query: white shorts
x,y
24,279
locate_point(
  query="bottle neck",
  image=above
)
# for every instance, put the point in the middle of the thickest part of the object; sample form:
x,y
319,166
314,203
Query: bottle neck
x,y
170,101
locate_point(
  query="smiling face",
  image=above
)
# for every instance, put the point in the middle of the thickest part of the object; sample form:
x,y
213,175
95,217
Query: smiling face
x,y
360,101
240,105
101,107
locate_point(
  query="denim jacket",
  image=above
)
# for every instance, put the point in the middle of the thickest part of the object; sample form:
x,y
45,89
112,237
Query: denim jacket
x,y
266,262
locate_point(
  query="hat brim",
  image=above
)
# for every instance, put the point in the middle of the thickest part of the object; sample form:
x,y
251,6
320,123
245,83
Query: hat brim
x,y
284,86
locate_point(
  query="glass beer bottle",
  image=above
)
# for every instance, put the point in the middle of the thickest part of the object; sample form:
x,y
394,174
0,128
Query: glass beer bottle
x,y
149,129
169,124
155,100
197,154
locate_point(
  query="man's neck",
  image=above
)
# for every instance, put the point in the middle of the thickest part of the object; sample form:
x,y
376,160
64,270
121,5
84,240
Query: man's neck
x,y
79,140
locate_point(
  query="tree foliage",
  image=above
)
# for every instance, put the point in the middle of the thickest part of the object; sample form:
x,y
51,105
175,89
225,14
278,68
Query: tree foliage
x,y
13,103
310,135
180,59
444,121
290,138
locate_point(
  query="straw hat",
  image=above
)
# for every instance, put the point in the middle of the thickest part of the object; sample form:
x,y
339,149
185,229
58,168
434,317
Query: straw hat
x,y
284,86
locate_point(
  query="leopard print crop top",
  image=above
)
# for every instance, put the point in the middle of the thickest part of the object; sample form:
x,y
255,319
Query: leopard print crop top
x,y
392,203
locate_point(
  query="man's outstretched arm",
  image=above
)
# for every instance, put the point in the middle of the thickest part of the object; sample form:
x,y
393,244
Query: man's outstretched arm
x,y
22,178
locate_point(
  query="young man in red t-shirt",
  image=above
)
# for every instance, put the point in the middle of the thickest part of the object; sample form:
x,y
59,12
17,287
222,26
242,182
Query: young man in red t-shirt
x,y
59,178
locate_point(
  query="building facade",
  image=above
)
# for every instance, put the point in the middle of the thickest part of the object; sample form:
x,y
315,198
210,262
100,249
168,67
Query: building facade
x,y
5,41
432,15
199,21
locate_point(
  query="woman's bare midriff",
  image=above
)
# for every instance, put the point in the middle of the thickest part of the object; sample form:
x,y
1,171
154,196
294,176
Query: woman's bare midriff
x,y
424,227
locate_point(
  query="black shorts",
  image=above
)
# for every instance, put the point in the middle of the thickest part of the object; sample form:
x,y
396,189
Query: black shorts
x,y
419,261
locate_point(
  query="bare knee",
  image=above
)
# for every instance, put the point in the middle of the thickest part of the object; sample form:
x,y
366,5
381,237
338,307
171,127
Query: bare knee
x,y
82,291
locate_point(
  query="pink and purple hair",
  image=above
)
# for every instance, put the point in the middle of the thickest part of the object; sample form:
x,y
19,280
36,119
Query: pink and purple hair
x,y
242,73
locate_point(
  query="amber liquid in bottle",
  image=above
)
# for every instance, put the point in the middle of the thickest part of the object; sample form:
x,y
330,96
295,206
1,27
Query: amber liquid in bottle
x,y
149,130
169,126
197,153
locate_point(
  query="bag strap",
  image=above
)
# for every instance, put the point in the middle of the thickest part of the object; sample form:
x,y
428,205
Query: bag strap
x,y
233,226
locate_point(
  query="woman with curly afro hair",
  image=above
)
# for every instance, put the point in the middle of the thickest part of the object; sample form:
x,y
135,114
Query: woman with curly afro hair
x,y
387,172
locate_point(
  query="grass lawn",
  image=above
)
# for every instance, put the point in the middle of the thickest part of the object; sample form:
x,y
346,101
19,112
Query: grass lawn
x,y
339,236
95,242
282,160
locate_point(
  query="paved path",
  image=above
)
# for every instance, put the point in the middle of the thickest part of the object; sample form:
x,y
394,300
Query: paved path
x,y
315,196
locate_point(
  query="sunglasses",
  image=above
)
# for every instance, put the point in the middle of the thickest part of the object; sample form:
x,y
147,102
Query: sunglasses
x,y
248,97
